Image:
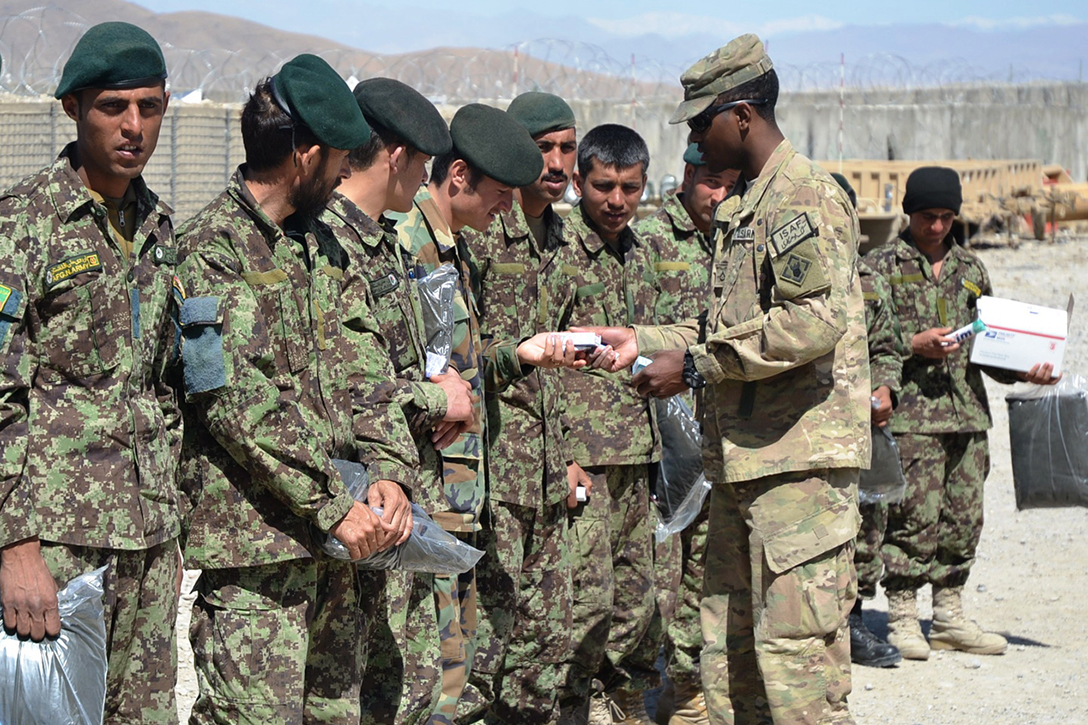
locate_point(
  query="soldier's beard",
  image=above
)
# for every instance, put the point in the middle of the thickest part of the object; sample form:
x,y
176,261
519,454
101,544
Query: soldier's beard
x,y
309,200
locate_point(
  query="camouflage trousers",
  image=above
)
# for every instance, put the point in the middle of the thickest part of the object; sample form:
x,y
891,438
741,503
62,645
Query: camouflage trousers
x,y
455,602
403,676
933,533
678,576
524,583
868,559
278,644
141,605
778,591
611,538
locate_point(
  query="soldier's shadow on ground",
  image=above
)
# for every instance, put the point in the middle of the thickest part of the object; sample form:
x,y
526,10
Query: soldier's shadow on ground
x,y
877,622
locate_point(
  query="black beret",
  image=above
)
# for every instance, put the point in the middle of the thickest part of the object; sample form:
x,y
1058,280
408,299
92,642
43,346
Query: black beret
x,y
112,55
406,112
541,112
312,93
496,144
933,187
694,156
846,186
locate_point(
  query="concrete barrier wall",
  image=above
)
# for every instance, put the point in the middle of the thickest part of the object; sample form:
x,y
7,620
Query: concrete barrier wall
x,y
200,145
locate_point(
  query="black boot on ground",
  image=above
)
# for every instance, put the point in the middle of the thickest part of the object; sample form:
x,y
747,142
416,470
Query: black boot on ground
x,y
866,648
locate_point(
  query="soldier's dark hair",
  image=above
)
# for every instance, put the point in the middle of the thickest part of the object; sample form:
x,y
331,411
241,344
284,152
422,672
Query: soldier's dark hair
x,y
764,88
440,168
362,158
611,144
268,132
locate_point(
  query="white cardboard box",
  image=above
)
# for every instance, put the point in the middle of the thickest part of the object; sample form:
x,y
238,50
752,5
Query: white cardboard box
x,y
1020,335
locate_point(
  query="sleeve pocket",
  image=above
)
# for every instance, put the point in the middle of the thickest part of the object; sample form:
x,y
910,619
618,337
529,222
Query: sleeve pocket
x,y
201,320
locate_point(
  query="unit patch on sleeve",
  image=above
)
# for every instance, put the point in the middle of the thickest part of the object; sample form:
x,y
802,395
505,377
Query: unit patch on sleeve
x,y
796,269
57,273
792,233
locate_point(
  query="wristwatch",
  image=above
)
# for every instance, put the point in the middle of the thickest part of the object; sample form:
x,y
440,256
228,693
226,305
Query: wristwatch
x,y
692,377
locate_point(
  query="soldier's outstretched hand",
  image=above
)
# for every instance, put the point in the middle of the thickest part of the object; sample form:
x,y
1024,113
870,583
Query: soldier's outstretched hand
x,y
934,343
28,592
549,350
623,352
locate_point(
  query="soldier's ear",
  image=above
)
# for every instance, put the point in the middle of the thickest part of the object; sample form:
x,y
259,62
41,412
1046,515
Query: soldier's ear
x,y
576,180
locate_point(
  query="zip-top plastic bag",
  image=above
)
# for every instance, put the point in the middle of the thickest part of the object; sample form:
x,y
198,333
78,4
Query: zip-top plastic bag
x,y
436,294
883,481
59,681
1048,433
681,487
429,548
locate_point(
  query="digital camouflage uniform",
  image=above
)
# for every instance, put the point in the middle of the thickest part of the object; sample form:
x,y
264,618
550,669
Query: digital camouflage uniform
x,y
523,287
785,430
428,239
886,353
272,375
941,422
402,681
683,259
613,437
89,429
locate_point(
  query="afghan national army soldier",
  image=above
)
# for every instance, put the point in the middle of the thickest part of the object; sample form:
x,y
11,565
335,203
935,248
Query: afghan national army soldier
x,y
90,429
941,421
470,185
402,681
612,436
524,287
679,235
270,372
786,406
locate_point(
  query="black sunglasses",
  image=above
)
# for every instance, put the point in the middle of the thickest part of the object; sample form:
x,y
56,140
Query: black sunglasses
x,y
700,123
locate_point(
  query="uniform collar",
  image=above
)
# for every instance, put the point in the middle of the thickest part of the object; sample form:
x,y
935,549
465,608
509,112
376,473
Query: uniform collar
x,y
244,197
580,225
678,213
71,198
370,232
755,189
515,226
440,229
907,250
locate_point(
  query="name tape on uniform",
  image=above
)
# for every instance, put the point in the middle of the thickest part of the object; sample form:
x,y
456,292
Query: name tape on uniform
x,y
72,266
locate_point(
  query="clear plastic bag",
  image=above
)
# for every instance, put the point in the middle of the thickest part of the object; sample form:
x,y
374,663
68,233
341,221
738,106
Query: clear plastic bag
x,y
59,681
428,549
436,295
1048,434
884,481
681,487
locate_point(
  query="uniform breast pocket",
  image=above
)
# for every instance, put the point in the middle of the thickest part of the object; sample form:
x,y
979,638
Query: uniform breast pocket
x,y
506,303
85,322
391,312
288,328
589,305
673,277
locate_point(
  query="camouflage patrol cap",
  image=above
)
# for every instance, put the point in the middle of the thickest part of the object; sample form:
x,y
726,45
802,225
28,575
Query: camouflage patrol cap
x,y
541,112
313,94
406,112
741,60
112,55
694,156
497,145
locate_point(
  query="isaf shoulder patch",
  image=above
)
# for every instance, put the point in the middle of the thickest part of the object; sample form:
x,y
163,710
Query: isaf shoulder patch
x,y
67,268
792,233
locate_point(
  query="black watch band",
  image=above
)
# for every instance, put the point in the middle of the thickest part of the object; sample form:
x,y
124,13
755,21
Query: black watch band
x,y
692,377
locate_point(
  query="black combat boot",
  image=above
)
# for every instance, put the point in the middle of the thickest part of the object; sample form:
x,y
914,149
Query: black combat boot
x,y
865,647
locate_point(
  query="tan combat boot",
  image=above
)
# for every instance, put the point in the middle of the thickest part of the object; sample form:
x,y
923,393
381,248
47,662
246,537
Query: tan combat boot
x,y
629,708
952,630
904,632
686,707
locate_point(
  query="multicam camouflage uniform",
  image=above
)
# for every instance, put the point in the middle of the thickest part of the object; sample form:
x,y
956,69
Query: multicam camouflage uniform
x,y
613,436
886,353
402,681
425,236
786,427
683,259
90,431
271,370
523,288
941,421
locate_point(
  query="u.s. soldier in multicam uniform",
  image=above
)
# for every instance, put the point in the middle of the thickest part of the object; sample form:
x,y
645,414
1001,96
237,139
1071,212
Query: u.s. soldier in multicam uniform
x,y
402,681
784,360
270,372
679,235
469,186
612,435
524,288
90,429
941,422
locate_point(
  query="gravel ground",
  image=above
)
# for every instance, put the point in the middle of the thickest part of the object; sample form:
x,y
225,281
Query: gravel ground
x,y
1029,582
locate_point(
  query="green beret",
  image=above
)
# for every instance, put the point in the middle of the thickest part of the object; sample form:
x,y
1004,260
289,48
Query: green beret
x,y
734,64
312,93
112,55
694,156
541,112
404,111
496,144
